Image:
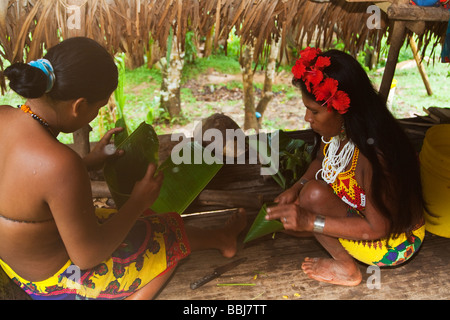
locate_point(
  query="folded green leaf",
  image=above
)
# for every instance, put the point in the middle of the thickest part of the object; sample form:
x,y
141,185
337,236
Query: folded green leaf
x,y
182,182
141,149
261,226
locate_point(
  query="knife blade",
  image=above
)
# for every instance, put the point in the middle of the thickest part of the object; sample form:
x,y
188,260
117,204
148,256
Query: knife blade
x,y
216,273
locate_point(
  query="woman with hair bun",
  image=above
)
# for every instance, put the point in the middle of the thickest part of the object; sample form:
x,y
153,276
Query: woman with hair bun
x,y
361,197
53,242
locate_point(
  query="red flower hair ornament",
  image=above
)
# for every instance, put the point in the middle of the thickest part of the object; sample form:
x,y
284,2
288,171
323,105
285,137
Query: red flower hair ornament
x,y
324,88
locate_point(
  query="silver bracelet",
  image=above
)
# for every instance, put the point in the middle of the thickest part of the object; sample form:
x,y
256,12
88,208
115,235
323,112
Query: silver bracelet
x,y
319,224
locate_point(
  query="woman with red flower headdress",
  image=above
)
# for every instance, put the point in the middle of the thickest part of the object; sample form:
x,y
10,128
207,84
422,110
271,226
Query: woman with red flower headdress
x,y
361,196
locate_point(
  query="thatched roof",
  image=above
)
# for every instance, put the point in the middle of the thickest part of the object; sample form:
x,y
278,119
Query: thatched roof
x,y
29,26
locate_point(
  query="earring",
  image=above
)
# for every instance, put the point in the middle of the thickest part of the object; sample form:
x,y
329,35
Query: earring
x,y
343,133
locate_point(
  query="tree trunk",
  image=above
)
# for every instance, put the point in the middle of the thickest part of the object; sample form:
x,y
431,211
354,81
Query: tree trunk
x,y
267,93
209,43
246,60
170,87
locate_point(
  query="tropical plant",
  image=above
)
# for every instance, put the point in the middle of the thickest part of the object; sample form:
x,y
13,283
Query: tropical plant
x,y
294,159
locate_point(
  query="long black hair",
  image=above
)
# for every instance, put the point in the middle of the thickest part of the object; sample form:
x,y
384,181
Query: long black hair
x,y
82,67
379,137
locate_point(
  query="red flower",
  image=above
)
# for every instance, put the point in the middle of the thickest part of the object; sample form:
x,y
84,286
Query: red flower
x,y
309,54
326,90
340,102
334,98
313,78
323,88
322,63
298,70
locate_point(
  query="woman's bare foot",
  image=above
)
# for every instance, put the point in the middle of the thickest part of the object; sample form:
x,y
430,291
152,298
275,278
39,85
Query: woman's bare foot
x,y
230,233
332,271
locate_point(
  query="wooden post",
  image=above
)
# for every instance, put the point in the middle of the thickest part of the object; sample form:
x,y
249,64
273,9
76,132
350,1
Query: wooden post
x,y
76,28
267,93
397,39
419,63
246,59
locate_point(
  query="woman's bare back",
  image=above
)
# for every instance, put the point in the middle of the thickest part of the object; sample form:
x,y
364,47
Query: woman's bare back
x,y
29,240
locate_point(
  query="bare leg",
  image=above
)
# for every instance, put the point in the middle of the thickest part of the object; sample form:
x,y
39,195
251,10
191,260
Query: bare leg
x,y
223,239
341,268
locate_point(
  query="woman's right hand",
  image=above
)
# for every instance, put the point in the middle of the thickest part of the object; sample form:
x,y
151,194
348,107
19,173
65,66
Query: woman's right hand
x,y
146,191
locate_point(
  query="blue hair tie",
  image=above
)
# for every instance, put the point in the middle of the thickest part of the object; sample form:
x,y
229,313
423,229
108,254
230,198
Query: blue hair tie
x,y
47,68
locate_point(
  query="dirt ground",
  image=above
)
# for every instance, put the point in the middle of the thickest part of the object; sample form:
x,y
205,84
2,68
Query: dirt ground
x,y
286,110
213,96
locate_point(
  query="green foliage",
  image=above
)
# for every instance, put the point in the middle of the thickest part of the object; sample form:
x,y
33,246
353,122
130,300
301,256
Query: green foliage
x,y
119,93
190,49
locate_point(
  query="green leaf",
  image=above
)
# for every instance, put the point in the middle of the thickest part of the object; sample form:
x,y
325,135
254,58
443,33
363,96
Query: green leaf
x,y
261,226
121,136
141,149
182,182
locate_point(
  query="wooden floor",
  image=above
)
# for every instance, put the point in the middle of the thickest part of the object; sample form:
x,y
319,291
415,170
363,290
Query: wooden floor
x,y
273,271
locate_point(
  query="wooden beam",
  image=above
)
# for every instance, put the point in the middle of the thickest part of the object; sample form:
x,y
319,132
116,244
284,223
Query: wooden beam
x,y
370,1
409,12
397,39
420,65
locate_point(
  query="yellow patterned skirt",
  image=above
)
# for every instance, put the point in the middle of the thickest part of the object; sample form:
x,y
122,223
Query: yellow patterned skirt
x,y
154,245
387,251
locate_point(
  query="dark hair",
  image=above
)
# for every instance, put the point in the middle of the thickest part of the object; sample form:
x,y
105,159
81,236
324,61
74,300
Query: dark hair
x,y
377,134
82,67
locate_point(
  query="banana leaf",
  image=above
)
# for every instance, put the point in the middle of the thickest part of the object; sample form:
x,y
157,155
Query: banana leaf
x,y
261,226
141,148
121,136
182,182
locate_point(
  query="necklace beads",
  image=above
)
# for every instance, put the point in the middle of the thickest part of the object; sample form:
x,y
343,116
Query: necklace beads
x,y
41,121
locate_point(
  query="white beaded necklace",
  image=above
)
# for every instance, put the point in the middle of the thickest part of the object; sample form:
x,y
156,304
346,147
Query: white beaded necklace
x,y
334,163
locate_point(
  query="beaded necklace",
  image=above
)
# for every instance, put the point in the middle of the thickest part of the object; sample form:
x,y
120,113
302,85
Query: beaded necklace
x,y
41,121
334,163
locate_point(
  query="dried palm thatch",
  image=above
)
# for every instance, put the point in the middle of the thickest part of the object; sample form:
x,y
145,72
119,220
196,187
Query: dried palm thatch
x,y
27,27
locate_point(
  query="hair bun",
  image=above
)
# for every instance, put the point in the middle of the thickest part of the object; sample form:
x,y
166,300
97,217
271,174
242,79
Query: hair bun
x,y
27,81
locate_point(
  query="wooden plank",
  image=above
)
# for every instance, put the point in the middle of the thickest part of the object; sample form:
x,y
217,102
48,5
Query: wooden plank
x,y
416,13
397,39
274,269
368,1
420,66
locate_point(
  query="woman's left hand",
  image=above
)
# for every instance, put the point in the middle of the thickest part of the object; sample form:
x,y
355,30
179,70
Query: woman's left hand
x,y
290,215
96,159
